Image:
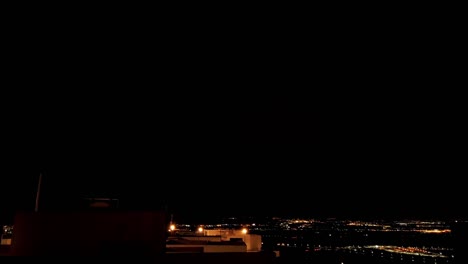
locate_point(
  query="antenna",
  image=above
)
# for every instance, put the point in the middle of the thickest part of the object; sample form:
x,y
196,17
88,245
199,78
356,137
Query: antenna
x,y
38,193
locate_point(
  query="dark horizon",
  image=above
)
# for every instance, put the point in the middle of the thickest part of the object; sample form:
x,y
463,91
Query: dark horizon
x,y
274,157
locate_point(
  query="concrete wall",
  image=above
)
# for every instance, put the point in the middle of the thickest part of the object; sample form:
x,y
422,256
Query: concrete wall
x,y
253,242
203,238
214,248
224,248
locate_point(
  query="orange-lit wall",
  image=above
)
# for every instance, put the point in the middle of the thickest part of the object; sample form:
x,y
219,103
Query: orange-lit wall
x,y
253,241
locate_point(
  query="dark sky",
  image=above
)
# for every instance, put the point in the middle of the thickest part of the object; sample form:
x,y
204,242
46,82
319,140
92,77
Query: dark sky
x,y
270,156
147,152
114,110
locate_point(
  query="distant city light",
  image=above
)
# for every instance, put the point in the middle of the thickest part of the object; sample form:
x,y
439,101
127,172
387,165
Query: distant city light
x,y
200,229
172,227
244,231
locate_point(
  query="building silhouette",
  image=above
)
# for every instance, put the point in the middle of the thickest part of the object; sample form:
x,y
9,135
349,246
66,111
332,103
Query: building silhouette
x,y
460,241
113,233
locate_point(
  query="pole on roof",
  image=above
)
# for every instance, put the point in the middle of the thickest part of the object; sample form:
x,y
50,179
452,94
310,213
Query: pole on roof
x,y
38,193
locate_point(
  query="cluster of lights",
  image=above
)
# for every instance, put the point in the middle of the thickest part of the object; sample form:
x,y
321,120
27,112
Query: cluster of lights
x,y
200,229
7,229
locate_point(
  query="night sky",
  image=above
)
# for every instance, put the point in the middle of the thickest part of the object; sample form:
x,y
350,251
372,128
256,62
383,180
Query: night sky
x,y
168,114
270,156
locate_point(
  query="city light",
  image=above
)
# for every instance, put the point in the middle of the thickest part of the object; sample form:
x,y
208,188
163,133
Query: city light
x,y
172,227
272,235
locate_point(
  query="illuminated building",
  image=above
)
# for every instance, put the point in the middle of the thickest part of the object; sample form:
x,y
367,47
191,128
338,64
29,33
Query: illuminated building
x,y
216,240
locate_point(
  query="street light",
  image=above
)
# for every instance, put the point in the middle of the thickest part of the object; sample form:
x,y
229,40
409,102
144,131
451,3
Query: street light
x,y
244,231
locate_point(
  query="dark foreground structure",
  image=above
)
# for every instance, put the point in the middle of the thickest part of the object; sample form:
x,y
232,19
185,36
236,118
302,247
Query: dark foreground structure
x,y
109,234
460,236
88,233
